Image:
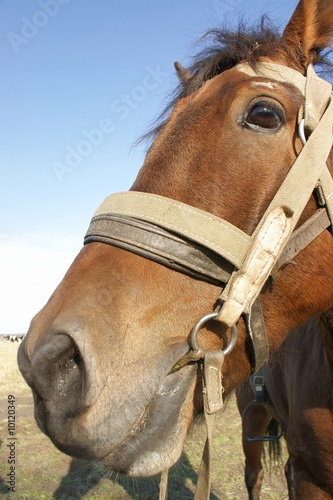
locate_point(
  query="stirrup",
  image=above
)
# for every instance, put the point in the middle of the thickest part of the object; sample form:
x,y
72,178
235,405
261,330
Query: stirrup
x,y
260,398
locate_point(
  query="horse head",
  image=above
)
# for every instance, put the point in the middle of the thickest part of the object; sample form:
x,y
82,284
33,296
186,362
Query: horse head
x,y
102,356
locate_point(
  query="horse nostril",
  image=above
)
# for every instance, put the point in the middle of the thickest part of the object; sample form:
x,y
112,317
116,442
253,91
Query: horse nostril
x,y
68,372
57,369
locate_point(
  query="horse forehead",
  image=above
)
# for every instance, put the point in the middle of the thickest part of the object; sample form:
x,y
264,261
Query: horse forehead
x,y
233,83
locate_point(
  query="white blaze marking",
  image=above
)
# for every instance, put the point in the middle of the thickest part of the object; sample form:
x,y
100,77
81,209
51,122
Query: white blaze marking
x,y
268,85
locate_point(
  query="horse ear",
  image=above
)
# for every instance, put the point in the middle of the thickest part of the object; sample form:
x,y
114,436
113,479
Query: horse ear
x,y
183,74
309,31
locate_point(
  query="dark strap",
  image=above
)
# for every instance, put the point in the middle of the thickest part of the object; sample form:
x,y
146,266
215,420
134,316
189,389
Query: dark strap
x,y
183,255
302,237
161,246
255,327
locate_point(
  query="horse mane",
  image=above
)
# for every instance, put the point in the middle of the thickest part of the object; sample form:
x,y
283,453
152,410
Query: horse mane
x,y
223,49
227,48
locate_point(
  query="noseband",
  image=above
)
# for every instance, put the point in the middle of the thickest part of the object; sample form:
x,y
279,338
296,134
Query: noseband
x,y
208,248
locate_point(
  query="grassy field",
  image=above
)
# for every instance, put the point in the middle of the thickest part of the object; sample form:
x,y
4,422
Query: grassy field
x,y
42,472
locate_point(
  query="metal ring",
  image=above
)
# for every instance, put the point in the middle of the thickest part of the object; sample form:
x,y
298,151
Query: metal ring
x,y
232,342
200,324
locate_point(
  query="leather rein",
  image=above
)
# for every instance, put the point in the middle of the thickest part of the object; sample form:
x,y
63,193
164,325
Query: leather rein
x,y
208,248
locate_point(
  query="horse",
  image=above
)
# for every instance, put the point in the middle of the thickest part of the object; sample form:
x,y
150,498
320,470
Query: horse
x,y
297,387
186,281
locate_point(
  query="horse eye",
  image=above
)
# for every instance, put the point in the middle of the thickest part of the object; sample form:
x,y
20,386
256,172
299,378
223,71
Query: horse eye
x,y
263,115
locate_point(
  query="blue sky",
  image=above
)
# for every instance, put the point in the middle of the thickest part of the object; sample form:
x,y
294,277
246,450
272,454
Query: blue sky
x,y
81,81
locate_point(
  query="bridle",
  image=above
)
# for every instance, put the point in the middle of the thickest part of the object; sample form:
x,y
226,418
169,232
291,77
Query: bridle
x,y
206,247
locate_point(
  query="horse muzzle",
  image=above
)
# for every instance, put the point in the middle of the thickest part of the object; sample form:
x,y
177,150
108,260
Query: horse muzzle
x,y
138,430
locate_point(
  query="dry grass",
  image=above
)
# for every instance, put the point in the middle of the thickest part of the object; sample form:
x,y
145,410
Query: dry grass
x,y
43,472
11,380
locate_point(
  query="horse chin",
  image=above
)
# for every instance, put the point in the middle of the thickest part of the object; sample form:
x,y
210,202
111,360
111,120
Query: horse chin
x,y
155,443
152,444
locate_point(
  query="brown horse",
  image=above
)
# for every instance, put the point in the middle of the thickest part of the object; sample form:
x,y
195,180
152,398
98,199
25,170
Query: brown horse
x,y
298,386
108,357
